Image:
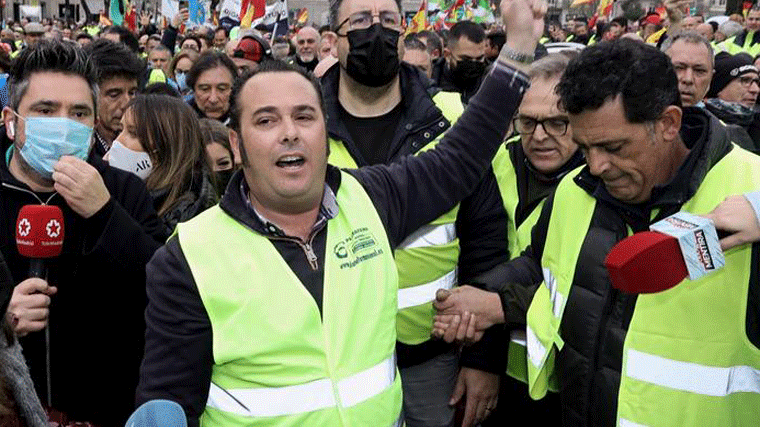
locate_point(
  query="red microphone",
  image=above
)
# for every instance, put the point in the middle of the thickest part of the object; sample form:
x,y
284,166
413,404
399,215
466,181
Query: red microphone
x,y
646,262
39,235
683,246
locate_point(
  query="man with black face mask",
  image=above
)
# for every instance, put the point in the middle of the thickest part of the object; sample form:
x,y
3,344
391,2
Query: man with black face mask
x,y
463,64
380,110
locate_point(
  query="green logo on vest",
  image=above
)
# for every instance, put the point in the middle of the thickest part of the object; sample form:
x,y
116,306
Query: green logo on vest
x,y
358,247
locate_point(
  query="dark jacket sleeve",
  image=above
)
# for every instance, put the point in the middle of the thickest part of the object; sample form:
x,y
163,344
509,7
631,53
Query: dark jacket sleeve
x,y
481,228
126,231
517,280
178,338
417,189
169,38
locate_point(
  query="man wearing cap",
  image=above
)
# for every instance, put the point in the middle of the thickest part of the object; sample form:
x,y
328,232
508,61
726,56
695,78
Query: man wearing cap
x,y
250,51
732,96
748,40
33,31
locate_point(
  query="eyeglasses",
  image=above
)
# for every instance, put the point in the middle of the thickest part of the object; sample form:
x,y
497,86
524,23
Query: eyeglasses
x,y
363,20
553,127
747,81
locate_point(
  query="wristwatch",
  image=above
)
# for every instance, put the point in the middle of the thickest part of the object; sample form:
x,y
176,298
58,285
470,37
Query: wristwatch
x,y
525,58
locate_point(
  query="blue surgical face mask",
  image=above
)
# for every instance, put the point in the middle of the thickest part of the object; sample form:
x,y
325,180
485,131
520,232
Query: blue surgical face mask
x,y
181,79
49,138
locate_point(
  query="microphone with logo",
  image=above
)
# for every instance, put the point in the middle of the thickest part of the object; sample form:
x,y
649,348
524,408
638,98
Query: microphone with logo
x,y
39,235
158,413
678,247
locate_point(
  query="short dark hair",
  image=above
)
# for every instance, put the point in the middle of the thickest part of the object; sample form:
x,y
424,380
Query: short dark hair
x,y
497,39
113,59
83,35
412,42
642,74
335,8
50,55
268,66
207,61
433,41
196,39
474,32
125,36
220,28
621,20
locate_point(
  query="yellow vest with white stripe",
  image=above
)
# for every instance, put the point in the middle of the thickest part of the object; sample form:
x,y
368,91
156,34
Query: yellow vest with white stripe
x,y
686,358
519,239
733,48
277,361
426,260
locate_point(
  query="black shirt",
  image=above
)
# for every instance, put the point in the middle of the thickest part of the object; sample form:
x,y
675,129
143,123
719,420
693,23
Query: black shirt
x,y
371,133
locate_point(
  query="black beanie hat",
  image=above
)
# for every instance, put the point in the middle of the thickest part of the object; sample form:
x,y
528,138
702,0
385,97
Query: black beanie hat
x,y
727,68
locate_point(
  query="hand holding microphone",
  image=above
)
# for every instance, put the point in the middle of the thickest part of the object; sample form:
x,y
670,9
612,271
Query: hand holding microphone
x,y
30,306
680,246
39,235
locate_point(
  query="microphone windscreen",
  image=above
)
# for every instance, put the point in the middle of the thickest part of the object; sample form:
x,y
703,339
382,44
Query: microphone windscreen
x,y
646,262
158,413
39,231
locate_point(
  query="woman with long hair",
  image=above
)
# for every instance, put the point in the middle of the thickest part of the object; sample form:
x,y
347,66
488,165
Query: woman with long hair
x,y
161,142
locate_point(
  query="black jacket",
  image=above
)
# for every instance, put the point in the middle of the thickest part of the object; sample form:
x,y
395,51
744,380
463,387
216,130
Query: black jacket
x,y
597,316
481,219
407,194
96,318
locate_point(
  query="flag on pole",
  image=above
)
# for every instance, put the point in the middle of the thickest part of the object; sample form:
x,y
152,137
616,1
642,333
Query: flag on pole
x,y
250,10
580,2
419,20
302,16
452,13
130,17
605,8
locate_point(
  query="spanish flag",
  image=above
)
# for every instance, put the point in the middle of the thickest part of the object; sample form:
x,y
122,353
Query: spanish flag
x,y
580,2
419,20
250,10
303,16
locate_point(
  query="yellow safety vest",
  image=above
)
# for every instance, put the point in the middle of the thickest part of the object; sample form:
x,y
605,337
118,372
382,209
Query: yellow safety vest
x,y
427,259
277,360
687,361
519,239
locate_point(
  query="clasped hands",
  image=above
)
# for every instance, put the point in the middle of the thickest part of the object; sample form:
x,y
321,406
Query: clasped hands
x,y
464,313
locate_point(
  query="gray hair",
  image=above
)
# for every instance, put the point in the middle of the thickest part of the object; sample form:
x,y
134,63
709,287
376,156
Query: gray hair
x,y
552,65
691,38
730,28
335,6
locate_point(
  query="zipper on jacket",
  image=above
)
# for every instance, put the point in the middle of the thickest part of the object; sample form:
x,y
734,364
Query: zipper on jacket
x,y
308,248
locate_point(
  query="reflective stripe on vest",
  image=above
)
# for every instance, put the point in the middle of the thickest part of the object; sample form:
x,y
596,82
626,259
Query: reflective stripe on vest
x,y
692,377
427,258
564,239
430,235
312,396
421,294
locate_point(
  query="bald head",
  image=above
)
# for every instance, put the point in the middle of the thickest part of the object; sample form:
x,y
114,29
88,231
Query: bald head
x,y
307,44
706,31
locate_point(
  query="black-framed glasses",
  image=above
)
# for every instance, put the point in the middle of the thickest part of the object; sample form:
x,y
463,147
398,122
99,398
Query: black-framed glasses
x,y
552,126
747,81
363,20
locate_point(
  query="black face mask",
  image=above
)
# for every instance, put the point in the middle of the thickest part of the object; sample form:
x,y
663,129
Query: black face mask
x,y
373,55
222,179
467,72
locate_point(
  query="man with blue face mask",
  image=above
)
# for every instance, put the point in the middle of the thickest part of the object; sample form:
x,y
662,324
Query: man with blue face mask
x,y
92,299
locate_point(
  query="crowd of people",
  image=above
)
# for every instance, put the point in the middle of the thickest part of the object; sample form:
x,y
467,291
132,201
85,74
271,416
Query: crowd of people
x,y
355,226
